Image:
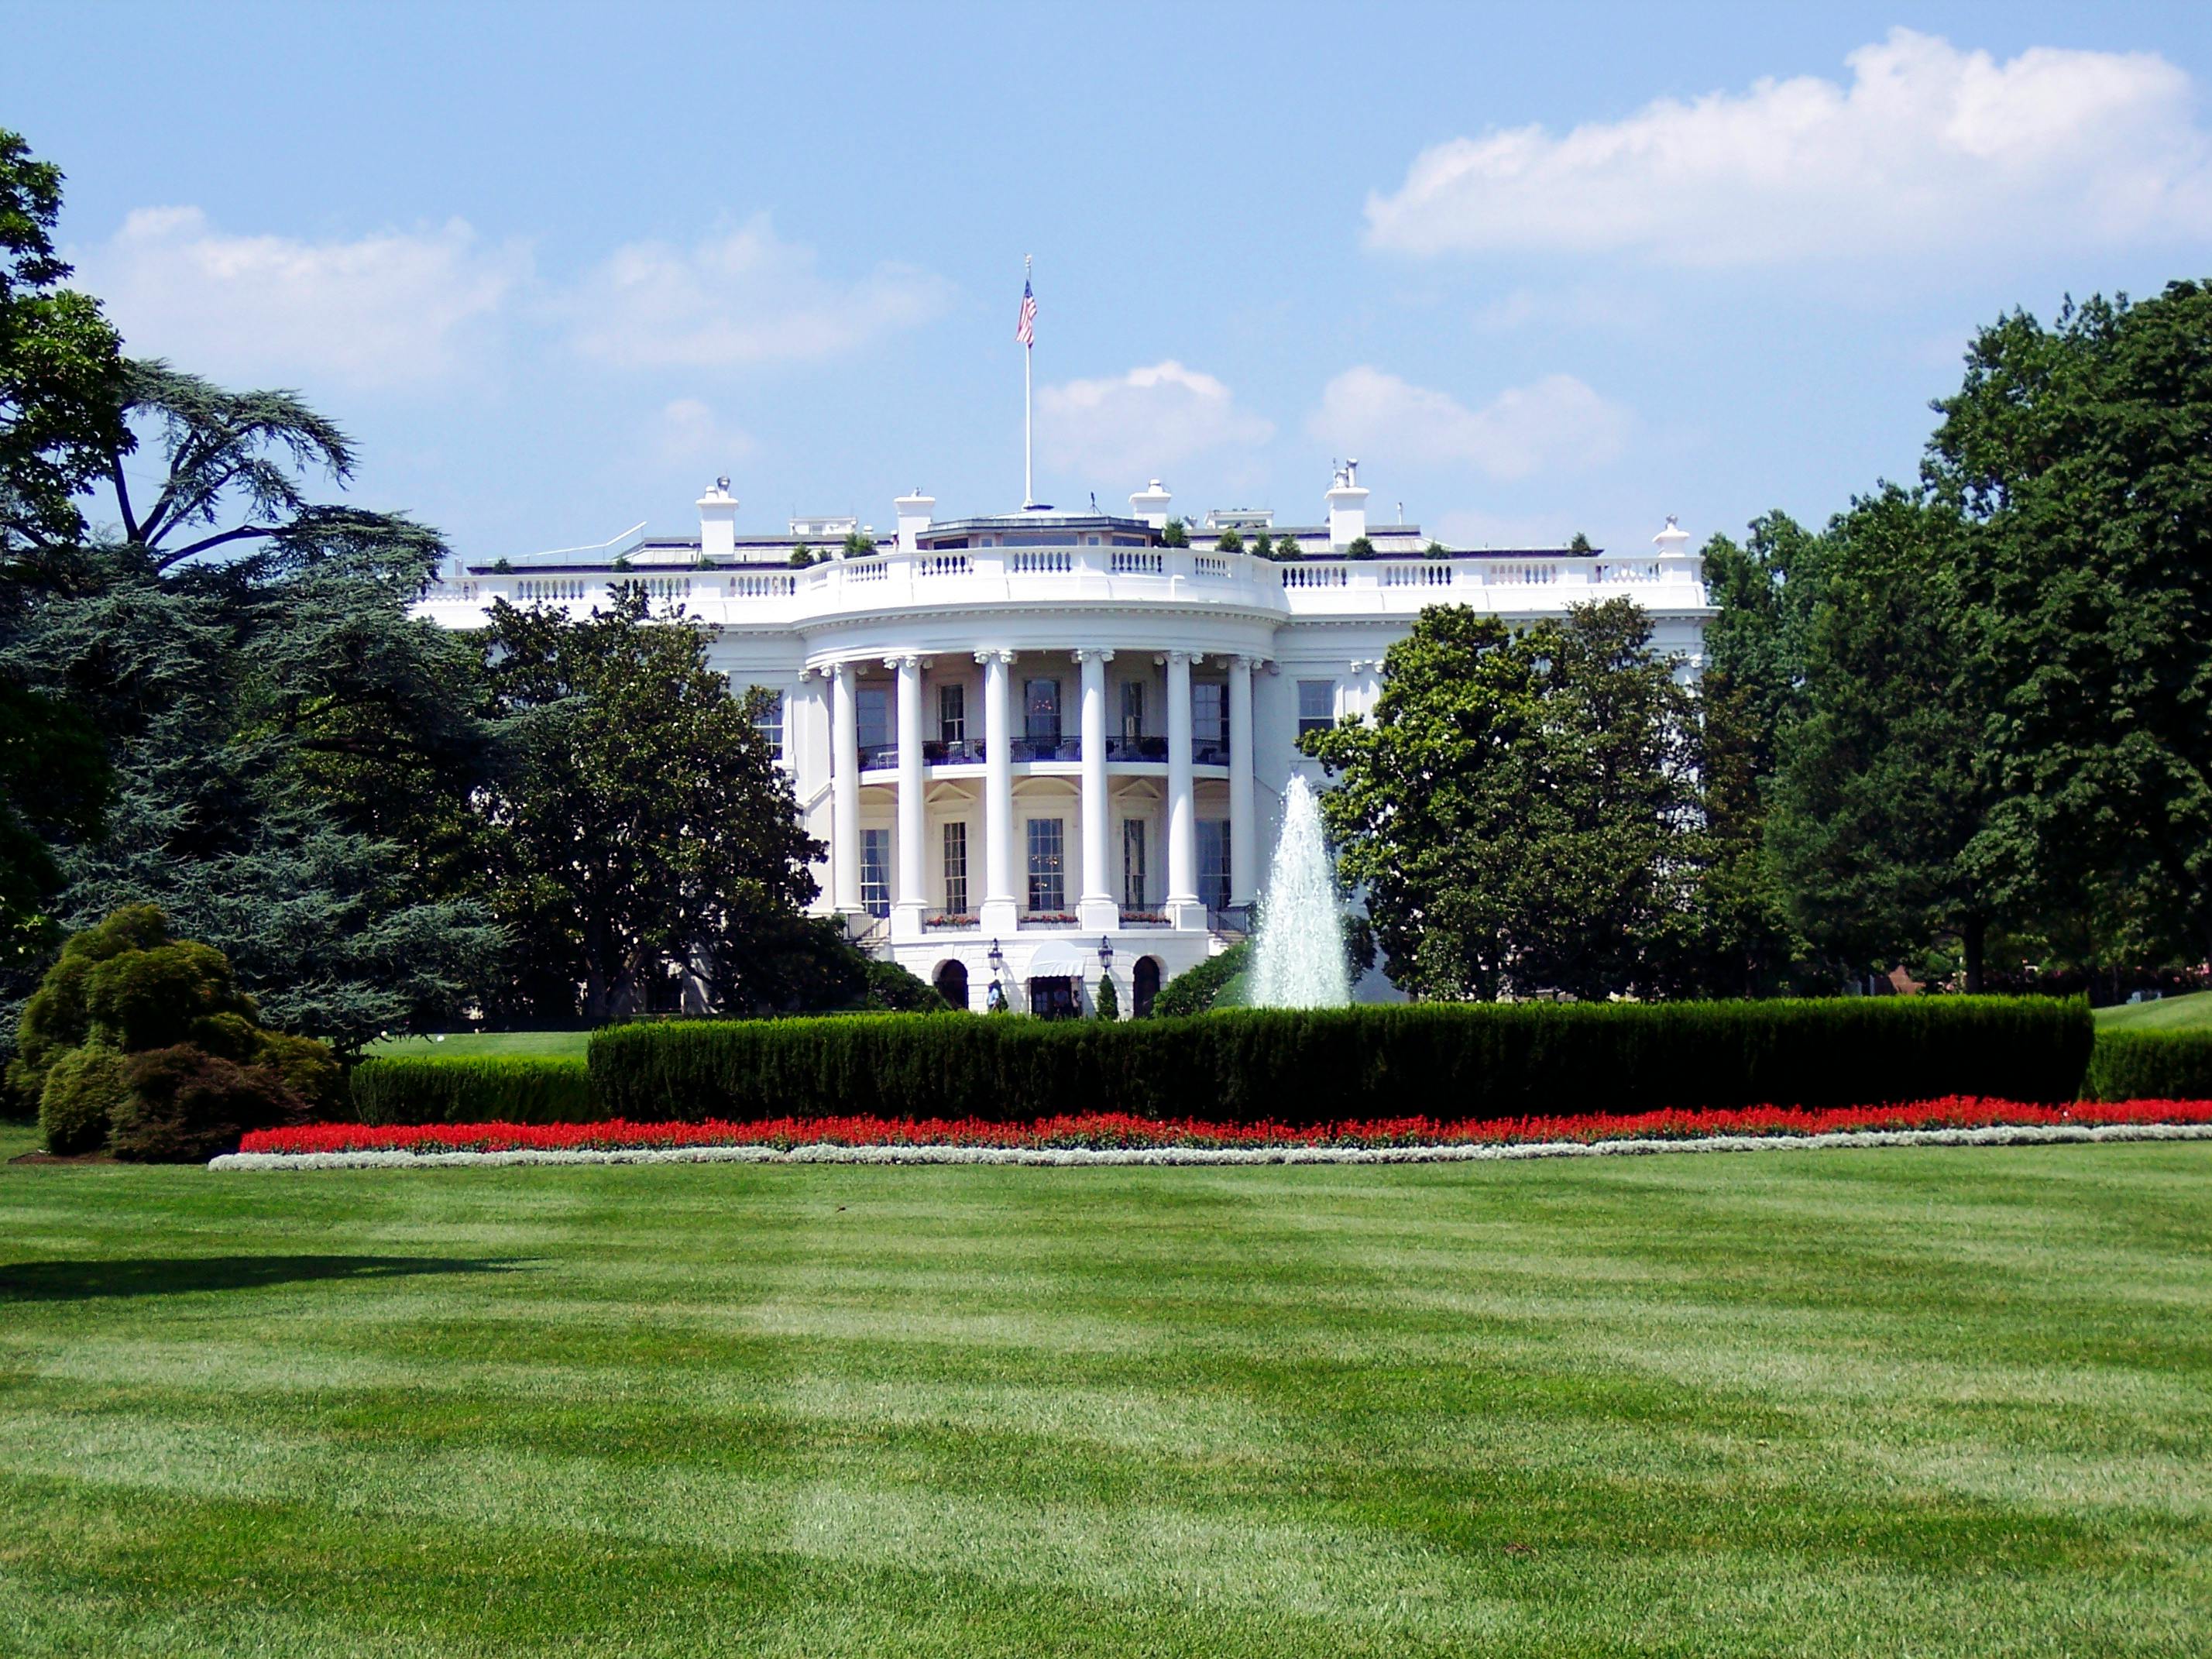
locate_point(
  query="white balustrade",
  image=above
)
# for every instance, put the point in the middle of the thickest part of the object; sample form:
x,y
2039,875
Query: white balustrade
x,y
1044,561
1315,575
1428,574
1135,562
1212,564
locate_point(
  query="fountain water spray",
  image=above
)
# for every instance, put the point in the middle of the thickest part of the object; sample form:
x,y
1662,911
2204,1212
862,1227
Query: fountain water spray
x,y
1297,958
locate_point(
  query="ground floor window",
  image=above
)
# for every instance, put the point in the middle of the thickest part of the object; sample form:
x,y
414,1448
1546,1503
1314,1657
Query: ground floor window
x,y
1048,865
876,871
1053,997
1135,892
1213,863
956,869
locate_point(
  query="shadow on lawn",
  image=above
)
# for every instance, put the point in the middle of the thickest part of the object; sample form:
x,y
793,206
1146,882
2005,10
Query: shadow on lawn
x,y
70,1281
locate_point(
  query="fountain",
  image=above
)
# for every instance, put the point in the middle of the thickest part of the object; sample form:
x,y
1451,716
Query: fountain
x,y
1297,957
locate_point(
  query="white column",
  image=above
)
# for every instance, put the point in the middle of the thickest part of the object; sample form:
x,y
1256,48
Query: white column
x,y
1183,907
1095,910
999,912
844,791
906,912
1243,880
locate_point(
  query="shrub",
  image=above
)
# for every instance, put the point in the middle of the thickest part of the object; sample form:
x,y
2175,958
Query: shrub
x,y
157,998
506,1087
1361,547
1485,1062
55,1019
893,990
84,1089
1107,1004
185,1105
1175,534
1231,542
1193,990
307,1068
2151,1065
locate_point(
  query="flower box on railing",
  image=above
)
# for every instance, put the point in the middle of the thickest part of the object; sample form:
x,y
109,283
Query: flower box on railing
x,y
1143,918
950,919
1049,919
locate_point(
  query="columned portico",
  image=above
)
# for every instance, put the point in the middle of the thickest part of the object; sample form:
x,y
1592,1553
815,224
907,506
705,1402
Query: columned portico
x,y
907,911
844,791
998,912
1096,909
1244,883
1184,908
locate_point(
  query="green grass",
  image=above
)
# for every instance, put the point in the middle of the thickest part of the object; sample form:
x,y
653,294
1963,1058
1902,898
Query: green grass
x,y
2192,1012
475,1045
1932,1402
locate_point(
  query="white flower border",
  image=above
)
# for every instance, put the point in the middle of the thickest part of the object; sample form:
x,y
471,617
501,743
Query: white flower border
x,y
1087,1157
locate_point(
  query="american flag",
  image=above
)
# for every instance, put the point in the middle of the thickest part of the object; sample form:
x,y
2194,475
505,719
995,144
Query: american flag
x,y
1025,325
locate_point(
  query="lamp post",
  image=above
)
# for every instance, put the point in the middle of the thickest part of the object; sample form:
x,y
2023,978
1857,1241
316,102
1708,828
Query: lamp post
x,y
995,999
1105,952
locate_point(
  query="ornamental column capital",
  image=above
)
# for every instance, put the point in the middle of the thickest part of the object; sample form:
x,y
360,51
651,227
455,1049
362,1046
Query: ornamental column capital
x,y
1005,656
904,659
1083,654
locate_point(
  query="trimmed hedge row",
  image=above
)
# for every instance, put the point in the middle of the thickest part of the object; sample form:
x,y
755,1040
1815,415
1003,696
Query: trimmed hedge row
x,y
487,1089
1300,1068
2151,1065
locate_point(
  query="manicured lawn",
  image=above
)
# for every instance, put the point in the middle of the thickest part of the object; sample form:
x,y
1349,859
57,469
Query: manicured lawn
x,y
2192,1012
477,1045
1923,1403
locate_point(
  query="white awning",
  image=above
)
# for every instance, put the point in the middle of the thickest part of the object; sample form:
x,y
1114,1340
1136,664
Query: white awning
x,y
1060,959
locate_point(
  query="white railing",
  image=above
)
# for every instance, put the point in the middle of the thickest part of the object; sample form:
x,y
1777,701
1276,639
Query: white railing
x,y
1647,572
1516,574
1429,573
1132,561
663,588
546,590
1044,561
762,586
1315,575
465,592
1212,564
942,564
865,571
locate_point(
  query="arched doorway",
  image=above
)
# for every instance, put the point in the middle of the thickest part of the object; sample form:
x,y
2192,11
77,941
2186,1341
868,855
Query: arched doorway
x,y
951,982
1144,984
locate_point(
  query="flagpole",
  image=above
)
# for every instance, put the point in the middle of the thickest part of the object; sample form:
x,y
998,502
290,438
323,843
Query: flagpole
x,y
1028,477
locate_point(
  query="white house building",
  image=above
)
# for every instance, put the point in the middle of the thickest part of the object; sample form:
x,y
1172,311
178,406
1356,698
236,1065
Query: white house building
x,y
1045,744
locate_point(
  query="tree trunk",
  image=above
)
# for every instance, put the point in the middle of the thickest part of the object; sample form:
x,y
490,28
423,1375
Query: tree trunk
x,y
1971,939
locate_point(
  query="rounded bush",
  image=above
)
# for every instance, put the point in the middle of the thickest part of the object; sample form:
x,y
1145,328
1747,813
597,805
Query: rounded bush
x,y
84,1091
186,1105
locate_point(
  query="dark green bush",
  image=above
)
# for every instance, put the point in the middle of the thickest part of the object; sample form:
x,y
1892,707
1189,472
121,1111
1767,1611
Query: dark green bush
x,y
894,990
83,1090
2151,1065
1193,990
493,1089
1489,1061
186,1105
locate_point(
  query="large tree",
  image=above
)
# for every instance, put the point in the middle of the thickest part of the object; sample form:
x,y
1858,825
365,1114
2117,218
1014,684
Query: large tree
x,y
1879,795
1522,809
645,837
2081,454
287,742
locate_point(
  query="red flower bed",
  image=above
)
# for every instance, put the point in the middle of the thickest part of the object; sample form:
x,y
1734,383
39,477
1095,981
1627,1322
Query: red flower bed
x,y
1121,1129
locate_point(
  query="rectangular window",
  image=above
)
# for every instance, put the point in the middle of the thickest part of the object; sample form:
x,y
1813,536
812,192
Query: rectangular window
x,y
952,714
1132,710
1209,712
1213,863
1134,889
874,709
769,724
1048,874
876,871
956,869
1041,711
1316,705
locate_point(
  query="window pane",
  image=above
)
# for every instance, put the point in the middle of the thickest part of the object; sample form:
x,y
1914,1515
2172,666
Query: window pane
x,y
876,871
1213,863
1133,709
1041,711
1316,705
1209,712
956,868
1047,882
769,725
952,712
874,709
1134,887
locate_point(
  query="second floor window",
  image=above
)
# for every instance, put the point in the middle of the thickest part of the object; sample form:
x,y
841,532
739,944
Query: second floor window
x,y
1213,863
956,869
1135,889
1316,705
1041,711
1132,710
952,714
769,724
1209,712
874,709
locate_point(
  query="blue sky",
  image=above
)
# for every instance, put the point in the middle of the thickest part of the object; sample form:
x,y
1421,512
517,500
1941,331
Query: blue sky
x,y
1543,268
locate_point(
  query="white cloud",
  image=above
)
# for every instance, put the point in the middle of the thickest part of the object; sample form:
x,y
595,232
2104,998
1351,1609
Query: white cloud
x,y
1554,424
747,296
387,309
1139,424
687,432
1927,147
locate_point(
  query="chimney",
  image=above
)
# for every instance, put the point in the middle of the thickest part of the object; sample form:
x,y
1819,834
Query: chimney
x,y
1347,507
913,511
718,523
1672,539
1151,504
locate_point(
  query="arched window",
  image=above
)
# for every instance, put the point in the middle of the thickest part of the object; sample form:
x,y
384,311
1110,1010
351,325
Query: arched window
x,y
1144,984
951,982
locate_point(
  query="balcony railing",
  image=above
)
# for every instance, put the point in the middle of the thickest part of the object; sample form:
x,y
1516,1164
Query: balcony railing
x,y
950,919
971,751
954,751
878,756
1046,749
1209,751
1137,749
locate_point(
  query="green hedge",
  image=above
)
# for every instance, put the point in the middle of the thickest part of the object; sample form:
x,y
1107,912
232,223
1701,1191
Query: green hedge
x,y
1449,1061
2151,1065
488,1088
